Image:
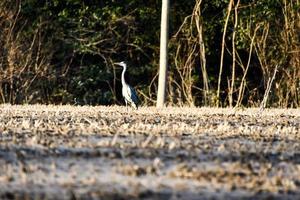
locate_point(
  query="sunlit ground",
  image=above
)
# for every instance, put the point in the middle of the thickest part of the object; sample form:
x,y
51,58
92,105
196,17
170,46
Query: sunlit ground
x,y
63,152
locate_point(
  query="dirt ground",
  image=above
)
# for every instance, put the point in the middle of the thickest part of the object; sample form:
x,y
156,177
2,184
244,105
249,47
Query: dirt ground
x,y
83,152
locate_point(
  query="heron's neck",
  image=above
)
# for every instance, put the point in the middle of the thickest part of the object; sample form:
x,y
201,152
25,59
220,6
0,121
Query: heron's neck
x,y
123,76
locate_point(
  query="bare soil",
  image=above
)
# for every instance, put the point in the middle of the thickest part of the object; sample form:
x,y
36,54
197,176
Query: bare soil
x,y
83,152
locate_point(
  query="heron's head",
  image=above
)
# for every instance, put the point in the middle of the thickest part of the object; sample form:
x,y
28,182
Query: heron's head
x,y
123,64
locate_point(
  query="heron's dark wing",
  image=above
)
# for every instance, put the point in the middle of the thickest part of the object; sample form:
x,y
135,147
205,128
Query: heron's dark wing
x,y
133,95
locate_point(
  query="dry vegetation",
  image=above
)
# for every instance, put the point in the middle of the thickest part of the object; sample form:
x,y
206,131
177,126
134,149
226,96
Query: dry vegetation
x,y
67,152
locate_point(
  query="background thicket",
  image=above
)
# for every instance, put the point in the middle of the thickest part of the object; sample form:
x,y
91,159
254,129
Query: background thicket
x,y
221,52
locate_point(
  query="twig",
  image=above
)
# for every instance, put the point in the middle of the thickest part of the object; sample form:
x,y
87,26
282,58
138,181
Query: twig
x,y
266,95
243,82
231,85
222,51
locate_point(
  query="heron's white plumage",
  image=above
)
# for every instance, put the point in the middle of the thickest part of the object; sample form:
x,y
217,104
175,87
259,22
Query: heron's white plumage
x,y
129,95
128,92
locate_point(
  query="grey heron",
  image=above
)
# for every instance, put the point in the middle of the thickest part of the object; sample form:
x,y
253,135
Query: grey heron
x,y
128,92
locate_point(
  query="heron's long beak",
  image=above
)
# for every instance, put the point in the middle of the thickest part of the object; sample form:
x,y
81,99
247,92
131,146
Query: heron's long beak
x,y
117,63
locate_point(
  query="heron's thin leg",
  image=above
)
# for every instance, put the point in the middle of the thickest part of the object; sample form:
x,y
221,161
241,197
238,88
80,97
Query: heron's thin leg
x,y
126,105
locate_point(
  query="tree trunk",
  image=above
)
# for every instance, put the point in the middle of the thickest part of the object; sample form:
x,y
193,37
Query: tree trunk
x,y
163,62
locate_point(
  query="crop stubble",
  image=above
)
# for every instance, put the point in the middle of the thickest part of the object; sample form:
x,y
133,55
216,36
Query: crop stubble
x,y
64,152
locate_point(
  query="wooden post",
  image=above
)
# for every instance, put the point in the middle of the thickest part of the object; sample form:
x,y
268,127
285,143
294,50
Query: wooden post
x,y
163,59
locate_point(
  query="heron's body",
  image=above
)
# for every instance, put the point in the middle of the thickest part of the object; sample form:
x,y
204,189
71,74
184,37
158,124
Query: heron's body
x,y
128,92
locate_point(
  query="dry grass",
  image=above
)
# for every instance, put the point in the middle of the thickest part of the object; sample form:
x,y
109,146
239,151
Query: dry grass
x,y
85,152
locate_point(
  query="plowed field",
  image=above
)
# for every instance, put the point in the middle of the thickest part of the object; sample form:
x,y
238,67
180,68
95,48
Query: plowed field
x,y
74,152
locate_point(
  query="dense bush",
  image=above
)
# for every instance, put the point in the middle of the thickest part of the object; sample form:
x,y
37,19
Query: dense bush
x,y
63,51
